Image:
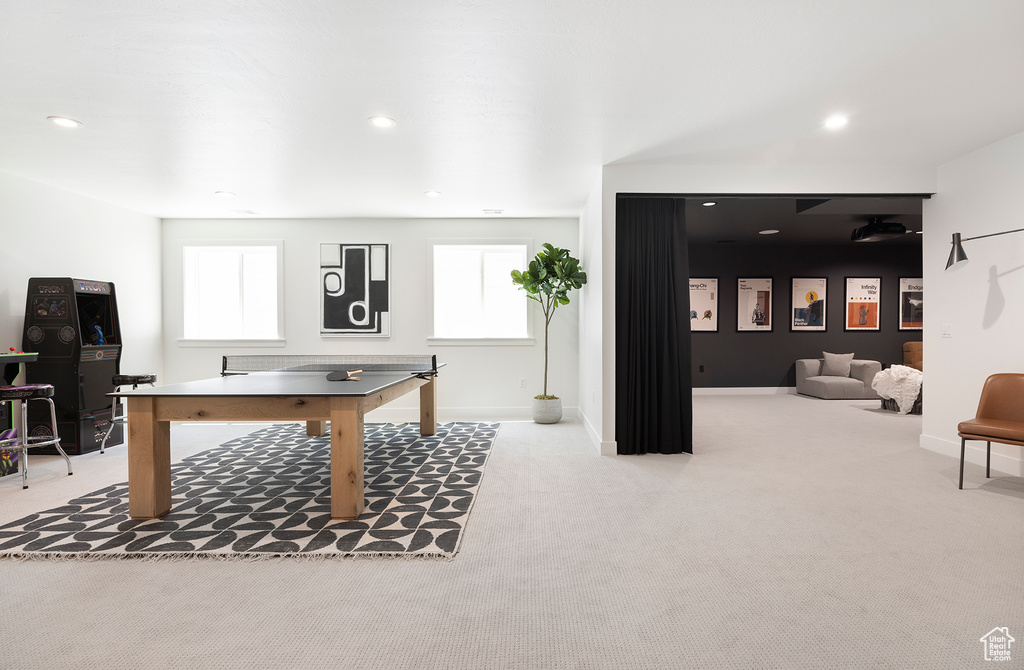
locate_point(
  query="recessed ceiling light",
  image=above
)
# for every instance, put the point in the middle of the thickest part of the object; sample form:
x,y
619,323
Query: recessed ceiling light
x,y
494,211
432,194
710,203
770,231
224,194
382,121
65,122
244,212
836,121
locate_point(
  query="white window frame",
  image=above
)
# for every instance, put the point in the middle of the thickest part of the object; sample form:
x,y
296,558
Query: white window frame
x,y
279,341
528,340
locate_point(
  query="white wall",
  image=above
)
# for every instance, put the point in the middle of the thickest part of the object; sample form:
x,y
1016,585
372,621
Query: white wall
x,y
721,180
977,194
479,381
49,232
591,318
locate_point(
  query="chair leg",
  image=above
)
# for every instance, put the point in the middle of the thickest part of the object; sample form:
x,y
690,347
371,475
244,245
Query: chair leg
x,y
116,418
110,429
988,459
53,421
963,446
23,439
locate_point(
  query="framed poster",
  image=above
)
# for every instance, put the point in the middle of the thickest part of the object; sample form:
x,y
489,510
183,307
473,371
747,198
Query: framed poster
x,y
807,304
754,304
863,296
704,305
911,303
355,290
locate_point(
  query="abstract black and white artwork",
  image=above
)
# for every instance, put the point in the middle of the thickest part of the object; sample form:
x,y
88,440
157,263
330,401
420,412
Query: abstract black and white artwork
x,y
355,285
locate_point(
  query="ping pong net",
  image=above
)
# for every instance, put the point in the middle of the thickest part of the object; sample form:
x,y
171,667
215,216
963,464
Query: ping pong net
x,y
420,366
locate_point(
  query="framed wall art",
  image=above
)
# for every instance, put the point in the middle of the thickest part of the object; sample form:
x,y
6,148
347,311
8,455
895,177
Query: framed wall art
x,y
355,290
754,304
911,303
704,305
807,304
863,300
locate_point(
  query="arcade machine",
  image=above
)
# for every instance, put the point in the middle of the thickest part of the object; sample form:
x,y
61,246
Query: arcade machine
x,y
74,327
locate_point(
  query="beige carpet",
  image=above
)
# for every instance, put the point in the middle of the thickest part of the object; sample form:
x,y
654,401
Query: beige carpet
x,y
803,534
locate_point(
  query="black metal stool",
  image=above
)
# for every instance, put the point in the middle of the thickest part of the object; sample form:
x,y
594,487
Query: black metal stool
x,y
115,418
23,441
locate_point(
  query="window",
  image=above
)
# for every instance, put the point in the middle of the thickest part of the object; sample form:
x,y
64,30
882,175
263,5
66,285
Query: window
x,y
474,297
232,292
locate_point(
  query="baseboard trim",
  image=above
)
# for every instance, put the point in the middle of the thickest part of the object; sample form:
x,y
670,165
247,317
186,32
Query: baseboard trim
x,y
606,447
595,439
975,454
744,390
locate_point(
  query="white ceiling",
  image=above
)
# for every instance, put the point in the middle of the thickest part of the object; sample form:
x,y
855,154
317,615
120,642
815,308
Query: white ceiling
x,y
508,105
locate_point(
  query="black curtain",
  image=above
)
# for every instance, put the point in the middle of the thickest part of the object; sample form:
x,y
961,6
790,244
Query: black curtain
x,y
653,389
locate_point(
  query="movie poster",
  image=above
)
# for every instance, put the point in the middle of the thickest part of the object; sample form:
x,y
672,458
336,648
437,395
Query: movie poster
x,y
704,305
863,298
911,303
754,304
807,300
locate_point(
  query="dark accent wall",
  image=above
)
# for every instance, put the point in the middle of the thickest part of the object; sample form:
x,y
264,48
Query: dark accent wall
x,y
758,359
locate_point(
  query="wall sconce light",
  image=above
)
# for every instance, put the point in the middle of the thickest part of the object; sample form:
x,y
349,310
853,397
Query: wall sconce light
x,y
957,257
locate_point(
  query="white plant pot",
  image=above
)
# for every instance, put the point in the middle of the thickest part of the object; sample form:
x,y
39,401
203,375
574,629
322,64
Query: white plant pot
x,y
547,410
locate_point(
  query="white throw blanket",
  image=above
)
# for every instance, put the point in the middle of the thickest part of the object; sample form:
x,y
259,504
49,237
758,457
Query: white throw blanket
x,y
899,383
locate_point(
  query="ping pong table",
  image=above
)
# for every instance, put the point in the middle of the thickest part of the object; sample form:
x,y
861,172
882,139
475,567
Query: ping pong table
x,y
275,388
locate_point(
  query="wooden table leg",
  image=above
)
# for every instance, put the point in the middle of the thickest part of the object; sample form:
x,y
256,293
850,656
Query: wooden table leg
x,y
149,461
346,458
428,407
316,428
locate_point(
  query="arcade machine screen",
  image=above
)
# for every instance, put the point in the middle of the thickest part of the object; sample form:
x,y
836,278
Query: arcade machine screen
x,y
95,319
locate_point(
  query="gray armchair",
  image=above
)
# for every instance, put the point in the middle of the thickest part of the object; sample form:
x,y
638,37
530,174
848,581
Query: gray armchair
x,y
810,380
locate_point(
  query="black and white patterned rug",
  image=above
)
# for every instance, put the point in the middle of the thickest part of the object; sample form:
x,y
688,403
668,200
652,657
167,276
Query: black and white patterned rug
x,y
268,494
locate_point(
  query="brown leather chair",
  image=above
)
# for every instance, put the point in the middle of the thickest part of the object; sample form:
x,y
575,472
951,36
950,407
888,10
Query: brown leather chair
x,y
913,355
1000,417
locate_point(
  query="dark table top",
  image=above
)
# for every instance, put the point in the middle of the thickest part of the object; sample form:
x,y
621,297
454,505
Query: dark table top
x,y
275,383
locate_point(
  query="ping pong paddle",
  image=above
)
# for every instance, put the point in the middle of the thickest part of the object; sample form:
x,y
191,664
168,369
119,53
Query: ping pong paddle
x,y
344,376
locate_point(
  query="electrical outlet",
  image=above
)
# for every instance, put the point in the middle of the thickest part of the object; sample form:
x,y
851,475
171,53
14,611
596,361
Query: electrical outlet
x,y
947,330
522,382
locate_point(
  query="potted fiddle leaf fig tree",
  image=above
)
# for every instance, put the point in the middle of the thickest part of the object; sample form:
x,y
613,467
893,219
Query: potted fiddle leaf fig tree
x,y
551,275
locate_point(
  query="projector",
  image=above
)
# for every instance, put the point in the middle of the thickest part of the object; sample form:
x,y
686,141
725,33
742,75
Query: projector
x,y
876,230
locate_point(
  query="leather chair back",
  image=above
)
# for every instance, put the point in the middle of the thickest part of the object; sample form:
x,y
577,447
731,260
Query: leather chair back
x,y
913,355
1002,398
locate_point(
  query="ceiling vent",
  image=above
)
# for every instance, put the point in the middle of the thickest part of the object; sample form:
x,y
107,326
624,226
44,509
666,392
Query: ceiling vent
x,y
877,229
